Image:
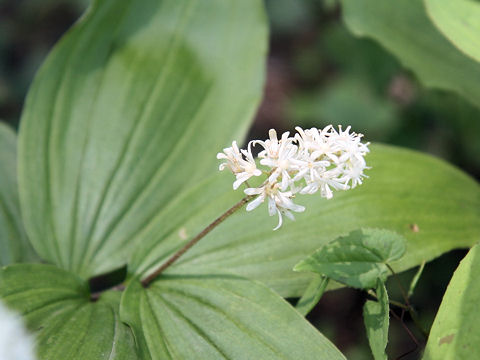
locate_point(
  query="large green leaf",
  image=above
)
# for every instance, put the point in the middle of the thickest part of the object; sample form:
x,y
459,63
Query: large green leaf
x,y
459,21
218,317
65,323
455,333
433,205
127,113
404,28
14,246
358,259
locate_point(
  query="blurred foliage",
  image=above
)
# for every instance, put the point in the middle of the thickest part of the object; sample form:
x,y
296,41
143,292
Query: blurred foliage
x,y
28,30
459,21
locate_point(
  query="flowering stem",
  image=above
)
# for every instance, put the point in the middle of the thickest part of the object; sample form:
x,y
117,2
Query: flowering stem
x,y
197,238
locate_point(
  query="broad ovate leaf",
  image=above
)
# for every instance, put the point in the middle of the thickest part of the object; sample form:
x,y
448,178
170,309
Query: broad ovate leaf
x,y
359,259
218,317
60,315
455,332
127,112
376,316
435,206
404,28
459,21
14,246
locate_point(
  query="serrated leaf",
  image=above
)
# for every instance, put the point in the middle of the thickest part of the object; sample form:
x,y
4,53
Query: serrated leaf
x,y
376,317
14,246
126,114
433,205
312,295
459,21
358,259
59,313
218,317
455,333
404,28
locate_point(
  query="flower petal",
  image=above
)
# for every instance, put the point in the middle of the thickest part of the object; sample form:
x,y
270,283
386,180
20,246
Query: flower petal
x,y
255,203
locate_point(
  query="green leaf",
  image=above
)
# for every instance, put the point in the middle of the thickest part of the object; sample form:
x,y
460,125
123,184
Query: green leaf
x,y
433,205
376,318
312,295
358,259
116,122
218,317
404,28
65,323
455,332
459,21
14,246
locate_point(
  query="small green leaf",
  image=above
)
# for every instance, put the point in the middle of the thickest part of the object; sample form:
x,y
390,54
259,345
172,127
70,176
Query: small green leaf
x,y
59,313
376,318
358,259
404,28
14,246
459,21
455,332
218,317
312,295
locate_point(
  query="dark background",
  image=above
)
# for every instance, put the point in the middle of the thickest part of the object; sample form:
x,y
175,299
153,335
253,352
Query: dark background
x,y
318,74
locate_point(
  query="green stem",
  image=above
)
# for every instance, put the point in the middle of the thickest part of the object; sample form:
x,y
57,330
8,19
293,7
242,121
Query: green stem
x,y
402,290
391,302
410,334
197,238
409,307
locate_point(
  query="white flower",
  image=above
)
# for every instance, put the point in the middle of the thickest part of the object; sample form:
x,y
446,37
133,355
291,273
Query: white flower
x,y
279,202
243,168
323,181
311,161
15,342
318,143
233,157
273,146
353,172
277,155
308,166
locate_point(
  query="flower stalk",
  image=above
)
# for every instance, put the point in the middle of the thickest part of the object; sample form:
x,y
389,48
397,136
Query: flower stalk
x,y
146,282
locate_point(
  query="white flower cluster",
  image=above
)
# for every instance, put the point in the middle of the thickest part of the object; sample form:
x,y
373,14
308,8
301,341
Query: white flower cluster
x,y
313,160
15,342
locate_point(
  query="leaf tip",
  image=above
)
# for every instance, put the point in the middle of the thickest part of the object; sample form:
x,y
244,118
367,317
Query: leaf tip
x,y
300,267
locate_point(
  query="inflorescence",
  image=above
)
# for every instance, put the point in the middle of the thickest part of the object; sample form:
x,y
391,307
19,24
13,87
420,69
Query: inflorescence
x,y
313,160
